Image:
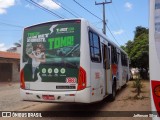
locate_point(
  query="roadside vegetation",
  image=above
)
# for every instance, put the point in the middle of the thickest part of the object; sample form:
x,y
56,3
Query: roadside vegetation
x,y
138,51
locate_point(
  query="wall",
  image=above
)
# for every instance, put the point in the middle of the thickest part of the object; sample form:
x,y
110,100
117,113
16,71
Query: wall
x,y
15,68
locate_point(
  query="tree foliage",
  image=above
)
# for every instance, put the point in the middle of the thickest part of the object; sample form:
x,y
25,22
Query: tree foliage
x,y
138,49
16,44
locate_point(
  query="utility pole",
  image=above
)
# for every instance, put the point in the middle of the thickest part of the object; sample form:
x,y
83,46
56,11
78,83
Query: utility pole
x,y
104,17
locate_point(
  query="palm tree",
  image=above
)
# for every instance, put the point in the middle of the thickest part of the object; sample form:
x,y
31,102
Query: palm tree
x,y
16,45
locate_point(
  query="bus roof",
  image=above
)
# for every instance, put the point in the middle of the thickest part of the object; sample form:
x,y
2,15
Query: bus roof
x,y
62,20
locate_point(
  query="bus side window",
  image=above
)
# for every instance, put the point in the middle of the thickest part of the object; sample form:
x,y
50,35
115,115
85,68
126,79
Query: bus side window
x,y
113,55
124,59
104,56
118,55
108,61
95,51
109,56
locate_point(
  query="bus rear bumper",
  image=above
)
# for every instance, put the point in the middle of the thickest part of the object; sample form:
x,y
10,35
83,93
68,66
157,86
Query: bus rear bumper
x,y
82,96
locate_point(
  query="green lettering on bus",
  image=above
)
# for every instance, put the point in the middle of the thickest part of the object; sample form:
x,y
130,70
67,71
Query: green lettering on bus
x,y
31,34
50,40
61,42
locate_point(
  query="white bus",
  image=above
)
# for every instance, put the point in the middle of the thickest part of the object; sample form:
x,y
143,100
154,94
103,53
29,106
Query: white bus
x,y
154,55
70,61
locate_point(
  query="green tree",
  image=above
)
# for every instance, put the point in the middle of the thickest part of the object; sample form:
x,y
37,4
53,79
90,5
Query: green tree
x,y
16,44
128,47
140,30
138,50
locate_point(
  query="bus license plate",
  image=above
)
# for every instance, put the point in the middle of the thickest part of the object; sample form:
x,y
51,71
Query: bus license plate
x,y
48,97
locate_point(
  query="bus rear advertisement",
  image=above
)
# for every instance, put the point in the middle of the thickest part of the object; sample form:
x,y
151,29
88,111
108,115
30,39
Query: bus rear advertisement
x,y
69,61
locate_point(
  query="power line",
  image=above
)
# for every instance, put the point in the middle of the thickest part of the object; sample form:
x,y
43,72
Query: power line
x,y
65,9
87,10
68,8
97,22
9,30
118,21
12,25
99,19
43,8
113,36
58,16
119,17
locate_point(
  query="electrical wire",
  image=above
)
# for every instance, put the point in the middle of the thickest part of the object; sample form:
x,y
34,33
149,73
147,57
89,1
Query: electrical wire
x,y
87,10
10,30
120,21
11,25
113,36
99,19
66,9
43,8
69,8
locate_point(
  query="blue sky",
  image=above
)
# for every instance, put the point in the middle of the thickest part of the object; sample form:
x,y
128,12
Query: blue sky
x,y
123,16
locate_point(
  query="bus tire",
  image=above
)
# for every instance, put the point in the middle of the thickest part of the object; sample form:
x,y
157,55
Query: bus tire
x,y
113,95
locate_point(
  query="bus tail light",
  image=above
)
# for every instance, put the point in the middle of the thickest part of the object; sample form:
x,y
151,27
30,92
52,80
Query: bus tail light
x,y
81,79
22,83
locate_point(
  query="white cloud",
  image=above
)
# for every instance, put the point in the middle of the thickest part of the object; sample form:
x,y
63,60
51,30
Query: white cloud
x,y
3,47
29,6
128,6
49,4
4,4
118,32
2,11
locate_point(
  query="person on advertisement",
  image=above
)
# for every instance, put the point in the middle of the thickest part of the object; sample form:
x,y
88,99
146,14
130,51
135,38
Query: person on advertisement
x,y
37,55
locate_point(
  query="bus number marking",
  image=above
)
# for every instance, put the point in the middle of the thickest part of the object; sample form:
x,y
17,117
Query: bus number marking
x,y
71,80
97,75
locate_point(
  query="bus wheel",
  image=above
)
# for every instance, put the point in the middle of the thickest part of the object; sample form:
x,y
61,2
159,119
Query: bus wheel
x,y
113,95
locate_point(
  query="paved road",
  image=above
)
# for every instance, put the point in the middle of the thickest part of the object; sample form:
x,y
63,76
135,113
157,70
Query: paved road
x,y
10,101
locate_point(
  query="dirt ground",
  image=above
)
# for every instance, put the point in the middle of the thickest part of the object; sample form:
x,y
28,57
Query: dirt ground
x,y
125,101
10,100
